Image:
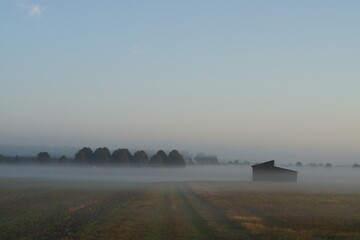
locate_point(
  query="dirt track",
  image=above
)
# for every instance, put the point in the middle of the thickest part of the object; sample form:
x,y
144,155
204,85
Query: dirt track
x,y
174,210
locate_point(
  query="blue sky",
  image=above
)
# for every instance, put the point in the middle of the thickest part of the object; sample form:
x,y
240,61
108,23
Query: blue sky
x,y
250,79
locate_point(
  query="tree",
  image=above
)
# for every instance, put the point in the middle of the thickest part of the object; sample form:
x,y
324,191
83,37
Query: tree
x,y
299,164
164,157
312,164
246,163
129,156
101,155
121,156
84,155
203,159
63,160
156,161
175,159
328,165
43,157
356,165
140,158
2,159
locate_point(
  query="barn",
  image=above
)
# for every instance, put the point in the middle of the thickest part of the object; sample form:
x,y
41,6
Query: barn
x,y
268,172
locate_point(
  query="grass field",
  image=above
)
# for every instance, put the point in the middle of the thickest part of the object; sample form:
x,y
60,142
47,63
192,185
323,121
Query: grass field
x,y
43,209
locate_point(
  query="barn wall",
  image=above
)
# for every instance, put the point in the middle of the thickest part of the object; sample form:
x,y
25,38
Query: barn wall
x,y
274,175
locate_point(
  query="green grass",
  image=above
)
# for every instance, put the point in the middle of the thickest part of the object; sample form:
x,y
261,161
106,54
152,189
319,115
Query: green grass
x,y
40,209
287,214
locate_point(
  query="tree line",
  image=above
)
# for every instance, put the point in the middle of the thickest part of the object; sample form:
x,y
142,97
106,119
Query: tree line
x,y
121,157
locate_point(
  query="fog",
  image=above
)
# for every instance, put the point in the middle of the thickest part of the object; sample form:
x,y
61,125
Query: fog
x,y
233,173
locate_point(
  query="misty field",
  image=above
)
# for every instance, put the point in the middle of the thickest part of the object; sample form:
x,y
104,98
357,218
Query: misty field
x,y
56,209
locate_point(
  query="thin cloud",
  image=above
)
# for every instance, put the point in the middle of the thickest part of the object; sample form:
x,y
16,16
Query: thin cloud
x,y
32,10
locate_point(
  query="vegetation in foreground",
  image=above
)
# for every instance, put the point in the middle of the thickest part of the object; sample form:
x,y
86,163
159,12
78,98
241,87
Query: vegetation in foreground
x,y
173,210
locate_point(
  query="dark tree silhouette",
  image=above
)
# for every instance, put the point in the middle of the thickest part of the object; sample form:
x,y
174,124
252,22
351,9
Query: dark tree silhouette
x,y
175,159
63,160
84,155
328,165
299,164
140,158
356,165
121,156
2,158
164,157
130,157
156,161
43,157
116,156
312,165
101,155
203,159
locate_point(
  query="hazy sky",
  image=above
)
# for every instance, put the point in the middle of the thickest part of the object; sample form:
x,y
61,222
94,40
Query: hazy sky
x,y
262,79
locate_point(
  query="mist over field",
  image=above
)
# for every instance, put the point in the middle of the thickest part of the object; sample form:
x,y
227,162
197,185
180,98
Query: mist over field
x,y
233,173
141,120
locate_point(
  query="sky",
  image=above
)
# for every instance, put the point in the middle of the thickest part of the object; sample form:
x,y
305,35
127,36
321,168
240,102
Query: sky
x,y
240,79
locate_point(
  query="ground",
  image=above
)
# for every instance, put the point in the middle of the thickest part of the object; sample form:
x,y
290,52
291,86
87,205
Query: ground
x,y
44,209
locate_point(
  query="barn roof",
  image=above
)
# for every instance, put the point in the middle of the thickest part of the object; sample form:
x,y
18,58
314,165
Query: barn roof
x,y
265,164
270,165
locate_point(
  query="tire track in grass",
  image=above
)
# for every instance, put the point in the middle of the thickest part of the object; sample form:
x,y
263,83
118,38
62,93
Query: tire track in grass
x,y
169,217
159,212
133,220
255,221
200,227
212,218
179,221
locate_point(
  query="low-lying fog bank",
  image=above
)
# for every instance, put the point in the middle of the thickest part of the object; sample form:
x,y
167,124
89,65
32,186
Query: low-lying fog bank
x,y
190,173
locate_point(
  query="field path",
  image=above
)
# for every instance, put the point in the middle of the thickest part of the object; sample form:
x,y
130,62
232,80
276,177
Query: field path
x,y
208,217
164,211
173,211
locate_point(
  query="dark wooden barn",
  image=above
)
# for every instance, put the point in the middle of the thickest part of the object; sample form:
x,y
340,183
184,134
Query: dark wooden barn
x,y
268,172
